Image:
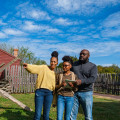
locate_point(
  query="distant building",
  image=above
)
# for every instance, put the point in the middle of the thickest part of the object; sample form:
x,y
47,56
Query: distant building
x,y
5,58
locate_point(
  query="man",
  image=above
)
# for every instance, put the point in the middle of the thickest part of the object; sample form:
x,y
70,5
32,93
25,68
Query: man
x,y
87,74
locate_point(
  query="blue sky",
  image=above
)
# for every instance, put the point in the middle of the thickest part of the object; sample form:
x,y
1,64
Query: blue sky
x,y
67,26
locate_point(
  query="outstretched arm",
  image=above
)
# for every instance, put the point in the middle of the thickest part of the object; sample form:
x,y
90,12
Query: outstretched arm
x,y
32,68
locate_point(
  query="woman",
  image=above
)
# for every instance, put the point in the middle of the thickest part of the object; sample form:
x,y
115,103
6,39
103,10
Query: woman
x,y
45,85
65,92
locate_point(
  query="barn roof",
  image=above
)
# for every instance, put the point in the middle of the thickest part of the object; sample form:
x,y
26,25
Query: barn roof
x,y
9,54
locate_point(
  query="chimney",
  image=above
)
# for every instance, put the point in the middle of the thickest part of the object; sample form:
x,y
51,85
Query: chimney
x,y
15,52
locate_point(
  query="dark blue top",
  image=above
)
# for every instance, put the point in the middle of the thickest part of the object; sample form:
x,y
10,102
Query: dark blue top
x,y
87,73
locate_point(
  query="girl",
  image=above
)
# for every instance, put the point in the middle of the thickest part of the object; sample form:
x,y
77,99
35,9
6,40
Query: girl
x,y
45,85
65,94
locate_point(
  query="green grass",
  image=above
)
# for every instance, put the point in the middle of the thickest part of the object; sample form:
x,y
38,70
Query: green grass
x,y
103,109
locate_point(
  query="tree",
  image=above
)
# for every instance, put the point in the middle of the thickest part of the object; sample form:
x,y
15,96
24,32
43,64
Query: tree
x,y
28,57
100,68
116,68
110,69
24,54
73,58
37,61
60,65
6,47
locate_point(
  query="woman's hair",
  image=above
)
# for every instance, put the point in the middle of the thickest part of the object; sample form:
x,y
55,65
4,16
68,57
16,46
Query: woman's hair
x,y
67,59
54,54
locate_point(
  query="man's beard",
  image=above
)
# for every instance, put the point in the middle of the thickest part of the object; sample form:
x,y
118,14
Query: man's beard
x,y
83,61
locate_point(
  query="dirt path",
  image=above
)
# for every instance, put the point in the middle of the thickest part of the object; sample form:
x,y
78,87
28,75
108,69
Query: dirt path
x,y
107,96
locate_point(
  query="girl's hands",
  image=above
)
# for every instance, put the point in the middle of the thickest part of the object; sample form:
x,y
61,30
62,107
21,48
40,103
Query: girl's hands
x,y
25,65
64,83
71,84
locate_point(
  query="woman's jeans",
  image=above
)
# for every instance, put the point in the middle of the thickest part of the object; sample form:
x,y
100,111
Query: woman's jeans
x,y
43,97
86,101
64,102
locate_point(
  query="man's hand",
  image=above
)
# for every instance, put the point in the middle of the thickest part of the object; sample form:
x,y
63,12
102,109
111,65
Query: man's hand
x,y
25,65
78,82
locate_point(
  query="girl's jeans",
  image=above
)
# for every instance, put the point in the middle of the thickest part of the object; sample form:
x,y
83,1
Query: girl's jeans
x,y
43,97
64,102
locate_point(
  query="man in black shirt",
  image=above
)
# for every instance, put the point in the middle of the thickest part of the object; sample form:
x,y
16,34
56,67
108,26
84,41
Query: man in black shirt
x,y
87,74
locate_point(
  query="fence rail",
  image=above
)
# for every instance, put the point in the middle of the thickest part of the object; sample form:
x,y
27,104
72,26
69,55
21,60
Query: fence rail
x,y
22,81
108,83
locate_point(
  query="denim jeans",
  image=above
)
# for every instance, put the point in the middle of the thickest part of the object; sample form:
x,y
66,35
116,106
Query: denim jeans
x,y
64,102
43,97
86,101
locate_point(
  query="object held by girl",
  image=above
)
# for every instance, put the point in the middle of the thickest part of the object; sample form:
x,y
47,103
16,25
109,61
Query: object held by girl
x,y
45,85
65,94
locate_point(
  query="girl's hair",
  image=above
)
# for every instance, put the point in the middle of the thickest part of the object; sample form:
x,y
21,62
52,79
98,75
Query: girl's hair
x,y
54,54
67,59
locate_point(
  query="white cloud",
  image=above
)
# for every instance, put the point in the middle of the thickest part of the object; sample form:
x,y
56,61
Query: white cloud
x,y
19,39
110,27
106,65
5,15
44,49
15,32
79,6
65,22
37,40
112,20
3,35
96,49
77,38
26,10
31,26
52,30
44,41
73,48
96,36
37,14
2,23
111,33
104,48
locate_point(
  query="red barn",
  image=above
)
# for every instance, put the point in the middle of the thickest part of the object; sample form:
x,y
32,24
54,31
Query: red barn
x,y
5,58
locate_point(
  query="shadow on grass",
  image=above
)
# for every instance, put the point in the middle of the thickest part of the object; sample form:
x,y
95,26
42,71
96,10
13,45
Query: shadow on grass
x,y
17,114
102,110
109,110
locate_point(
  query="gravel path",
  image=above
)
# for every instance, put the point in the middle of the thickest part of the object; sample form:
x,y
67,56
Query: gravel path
x,y
114,97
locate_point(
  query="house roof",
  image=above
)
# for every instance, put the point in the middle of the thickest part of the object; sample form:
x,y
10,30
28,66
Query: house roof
x,y
9,54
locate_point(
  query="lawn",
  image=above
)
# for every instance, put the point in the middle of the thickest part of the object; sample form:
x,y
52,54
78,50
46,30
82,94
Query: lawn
x,y
103,109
